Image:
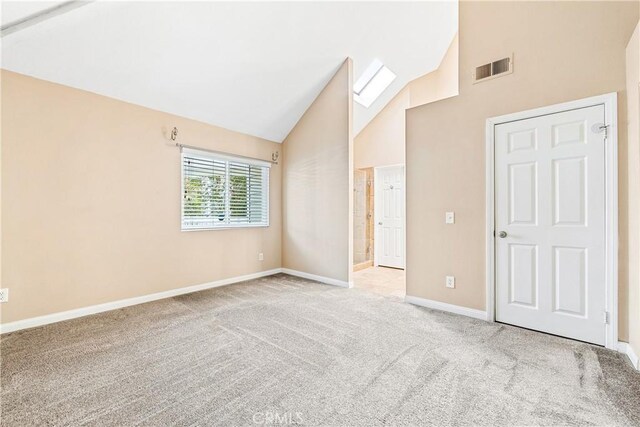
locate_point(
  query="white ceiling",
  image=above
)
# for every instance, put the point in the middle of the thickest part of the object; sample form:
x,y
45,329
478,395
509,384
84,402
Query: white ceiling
x,y
250,67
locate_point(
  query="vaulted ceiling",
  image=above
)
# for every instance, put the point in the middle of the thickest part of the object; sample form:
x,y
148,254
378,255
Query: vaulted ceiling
x,y
253,67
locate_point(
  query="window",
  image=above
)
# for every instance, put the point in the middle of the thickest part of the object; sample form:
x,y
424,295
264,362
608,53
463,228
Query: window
x,y
375,79
222,191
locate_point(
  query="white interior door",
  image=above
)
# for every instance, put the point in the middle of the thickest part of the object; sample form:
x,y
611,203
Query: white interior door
x,y
389,216
550,224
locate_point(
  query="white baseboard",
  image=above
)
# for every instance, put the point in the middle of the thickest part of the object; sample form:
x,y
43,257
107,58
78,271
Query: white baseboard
x,y
100,308
327,280
443,306
626,348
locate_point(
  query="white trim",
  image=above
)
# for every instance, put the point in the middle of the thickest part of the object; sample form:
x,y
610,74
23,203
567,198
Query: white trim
x,y
114,305
625,348
450,308
322,279
609,101
375,217
490,263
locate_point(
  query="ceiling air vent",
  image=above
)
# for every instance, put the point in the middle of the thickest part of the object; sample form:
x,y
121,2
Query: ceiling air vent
x,y
498,68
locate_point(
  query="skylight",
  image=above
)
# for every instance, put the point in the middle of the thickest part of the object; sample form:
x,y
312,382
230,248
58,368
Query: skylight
x,y
375,79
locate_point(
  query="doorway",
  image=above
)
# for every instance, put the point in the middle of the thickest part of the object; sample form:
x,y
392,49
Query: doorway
x,y
553,212
379,197
362,219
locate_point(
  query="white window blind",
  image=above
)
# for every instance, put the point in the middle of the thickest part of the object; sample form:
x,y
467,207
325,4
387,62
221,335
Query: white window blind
x,y
222,191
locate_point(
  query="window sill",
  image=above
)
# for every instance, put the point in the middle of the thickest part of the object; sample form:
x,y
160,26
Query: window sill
x,y
225,227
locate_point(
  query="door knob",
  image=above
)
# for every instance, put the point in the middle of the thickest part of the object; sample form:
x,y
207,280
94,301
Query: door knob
x,y
380,223
502,234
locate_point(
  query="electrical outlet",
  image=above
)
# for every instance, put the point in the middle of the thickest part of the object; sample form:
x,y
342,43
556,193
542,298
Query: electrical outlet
x,y
260,256
4,295
451,282
449,218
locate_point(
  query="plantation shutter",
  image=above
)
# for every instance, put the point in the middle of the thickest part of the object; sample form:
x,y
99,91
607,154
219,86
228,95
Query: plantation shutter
x,y
220,191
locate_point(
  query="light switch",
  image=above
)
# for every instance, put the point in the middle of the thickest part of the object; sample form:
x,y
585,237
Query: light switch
x,y
450,218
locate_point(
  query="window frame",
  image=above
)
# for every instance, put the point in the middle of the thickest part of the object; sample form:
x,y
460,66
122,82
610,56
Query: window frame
x,y
371,75
227,159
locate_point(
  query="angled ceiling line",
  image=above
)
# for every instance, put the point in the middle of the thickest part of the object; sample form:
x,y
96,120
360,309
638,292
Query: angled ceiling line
x,y
43,15
220,63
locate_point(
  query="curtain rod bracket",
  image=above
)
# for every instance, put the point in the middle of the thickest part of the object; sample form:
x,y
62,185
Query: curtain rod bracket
x,y
174,136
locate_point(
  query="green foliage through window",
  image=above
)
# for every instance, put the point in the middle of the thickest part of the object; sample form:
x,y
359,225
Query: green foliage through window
x,y
219,193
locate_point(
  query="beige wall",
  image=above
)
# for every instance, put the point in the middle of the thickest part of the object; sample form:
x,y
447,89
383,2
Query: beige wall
x,y
633,162
439,84
382,141
91,202
562,51
318,178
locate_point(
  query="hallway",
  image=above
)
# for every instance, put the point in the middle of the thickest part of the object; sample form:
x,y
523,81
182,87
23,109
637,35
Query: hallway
x,y
381,280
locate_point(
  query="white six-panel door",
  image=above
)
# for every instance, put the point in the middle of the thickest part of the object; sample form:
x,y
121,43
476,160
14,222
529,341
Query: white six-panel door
x,y
389,216
550,224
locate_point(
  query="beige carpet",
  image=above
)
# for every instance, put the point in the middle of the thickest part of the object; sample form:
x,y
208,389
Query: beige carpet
x,y
281,349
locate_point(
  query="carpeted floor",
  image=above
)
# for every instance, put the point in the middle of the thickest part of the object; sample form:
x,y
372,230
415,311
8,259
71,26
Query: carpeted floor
x,y
284,350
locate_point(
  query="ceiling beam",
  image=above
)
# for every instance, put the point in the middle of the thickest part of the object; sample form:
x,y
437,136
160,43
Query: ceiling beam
x,y
43,15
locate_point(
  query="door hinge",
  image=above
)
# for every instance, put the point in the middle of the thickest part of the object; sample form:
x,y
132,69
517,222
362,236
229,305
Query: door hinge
x,y
606,317
601,127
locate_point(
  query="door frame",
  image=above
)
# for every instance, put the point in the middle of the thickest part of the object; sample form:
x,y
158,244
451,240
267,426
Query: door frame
x,y
376,213
609,101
